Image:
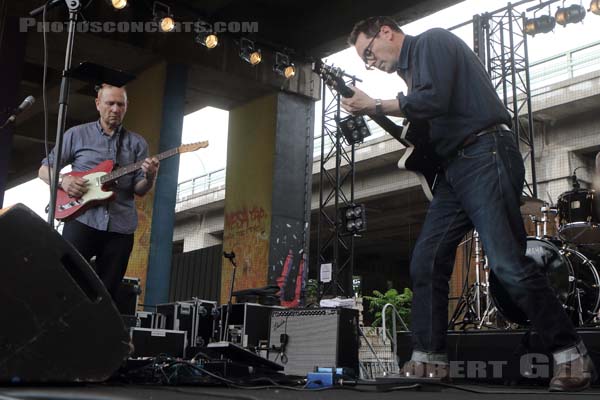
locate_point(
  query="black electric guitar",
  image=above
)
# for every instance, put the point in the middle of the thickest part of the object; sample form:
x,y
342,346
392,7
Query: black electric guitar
x,y
419,156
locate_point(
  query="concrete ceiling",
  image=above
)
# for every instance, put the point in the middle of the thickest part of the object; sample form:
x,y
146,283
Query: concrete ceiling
x,y
309,29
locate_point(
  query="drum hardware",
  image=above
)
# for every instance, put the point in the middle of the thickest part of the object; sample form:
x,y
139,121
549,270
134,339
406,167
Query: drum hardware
x,y
541,225
481,263
478,293
572,275
477,276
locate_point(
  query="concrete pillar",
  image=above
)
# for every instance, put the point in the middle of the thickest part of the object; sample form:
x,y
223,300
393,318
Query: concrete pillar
x,y
269,167
161,239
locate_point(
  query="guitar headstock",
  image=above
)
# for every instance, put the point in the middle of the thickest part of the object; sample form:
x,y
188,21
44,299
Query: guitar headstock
x,y
333,77
185,148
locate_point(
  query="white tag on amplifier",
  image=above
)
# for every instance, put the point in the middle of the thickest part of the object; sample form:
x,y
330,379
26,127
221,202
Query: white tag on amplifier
x,y
158,333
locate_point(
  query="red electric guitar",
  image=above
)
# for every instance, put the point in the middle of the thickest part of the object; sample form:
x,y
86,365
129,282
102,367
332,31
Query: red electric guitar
x,y
98,180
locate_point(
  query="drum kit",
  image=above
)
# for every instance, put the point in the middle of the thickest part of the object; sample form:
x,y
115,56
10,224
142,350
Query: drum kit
x,y
570,259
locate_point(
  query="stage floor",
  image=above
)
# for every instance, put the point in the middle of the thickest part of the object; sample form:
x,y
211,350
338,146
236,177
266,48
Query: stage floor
x,y
136,392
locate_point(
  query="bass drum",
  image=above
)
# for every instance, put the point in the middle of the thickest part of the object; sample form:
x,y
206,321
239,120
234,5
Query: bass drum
x,y
572,276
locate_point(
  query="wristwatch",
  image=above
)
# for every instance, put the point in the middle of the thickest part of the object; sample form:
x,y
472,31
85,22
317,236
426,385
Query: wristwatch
x,y
378,107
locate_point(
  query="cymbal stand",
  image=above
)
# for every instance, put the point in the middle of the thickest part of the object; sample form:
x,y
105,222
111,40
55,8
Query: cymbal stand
x,y
465,306
470,302
546,210
477,276
536,222
490,308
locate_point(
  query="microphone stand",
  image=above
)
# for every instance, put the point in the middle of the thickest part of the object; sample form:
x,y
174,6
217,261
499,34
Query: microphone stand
x,y
65,84
231,258
6,121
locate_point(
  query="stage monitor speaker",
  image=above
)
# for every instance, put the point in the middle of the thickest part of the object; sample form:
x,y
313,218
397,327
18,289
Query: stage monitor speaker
x,y
59,323
303,339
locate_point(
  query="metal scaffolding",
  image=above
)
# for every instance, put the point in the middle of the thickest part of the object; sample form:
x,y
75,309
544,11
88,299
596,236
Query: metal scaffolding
x,y
336,191
501,44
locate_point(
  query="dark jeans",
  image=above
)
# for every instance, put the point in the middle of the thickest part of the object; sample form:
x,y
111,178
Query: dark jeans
x,y
111,249
481,187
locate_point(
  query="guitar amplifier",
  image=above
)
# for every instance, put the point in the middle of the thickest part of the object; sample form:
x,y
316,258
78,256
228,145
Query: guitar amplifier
x,y
302,339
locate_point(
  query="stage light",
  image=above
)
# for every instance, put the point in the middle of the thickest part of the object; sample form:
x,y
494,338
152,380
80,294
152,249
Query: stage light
x,y
354,219
543,24
167,24
208,39
569,15
119,4
249,53
354,128
283,66
163,16
595,7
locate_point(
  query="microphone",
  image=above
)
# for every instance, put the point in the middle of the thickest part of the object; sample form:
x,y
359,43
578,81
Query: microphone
x,y
28,102
229,255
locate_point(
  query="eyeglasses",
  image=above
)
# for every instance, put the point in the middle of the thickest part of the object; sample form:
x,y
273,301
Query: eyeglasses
x,y
368,56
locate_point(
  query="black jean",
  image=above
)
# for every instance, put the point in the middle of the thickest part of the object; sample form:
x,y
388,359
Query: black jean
x,y
111,249
481,187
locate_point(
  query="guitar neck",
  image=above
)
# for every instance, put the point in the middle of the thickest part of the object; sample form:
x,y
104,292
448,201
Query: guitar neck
x,y
116,174
389,126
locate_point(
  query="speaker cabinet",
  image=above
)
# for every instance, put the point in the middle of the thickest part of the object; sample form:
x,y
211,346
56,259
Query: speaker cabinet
x,y
302,339
59,323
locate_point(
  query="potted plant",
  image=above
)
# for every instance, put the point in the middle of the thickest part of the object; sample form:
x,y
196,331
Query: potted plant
x,y
401,301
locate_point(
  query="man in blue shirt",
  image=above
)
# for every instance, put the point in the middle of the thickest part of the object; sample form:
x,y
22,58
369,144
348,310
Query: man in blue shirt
x,y
105,231
479,186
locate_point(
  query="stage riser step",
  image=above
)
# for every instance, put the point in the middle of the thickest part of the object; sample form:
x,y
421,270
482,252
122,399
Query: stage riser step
x,y
498,356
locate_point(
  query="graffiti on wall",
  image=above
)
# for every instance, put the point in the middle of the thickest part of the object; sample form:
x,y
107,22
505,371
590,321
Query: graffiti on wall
x,y
246,233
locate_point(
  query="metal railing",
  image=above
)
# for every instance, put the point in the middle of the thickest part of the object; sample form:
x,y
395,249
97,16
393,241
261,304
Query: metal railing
x,y
564,66
200,184
394,331
557,68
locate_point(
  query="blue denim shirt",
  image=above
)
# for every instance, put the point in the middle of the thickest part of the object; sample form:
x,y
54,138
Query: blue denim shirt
x,y
449,87
84,147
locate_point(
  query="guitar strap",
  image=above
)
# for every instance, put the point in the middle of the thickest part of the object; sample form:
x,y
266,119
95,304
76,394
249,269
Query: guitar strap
x,y
119,145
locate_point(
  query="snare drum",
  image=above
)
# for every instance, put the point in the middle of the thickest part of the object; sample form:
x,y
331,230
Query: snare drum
x,y
579,221
572,276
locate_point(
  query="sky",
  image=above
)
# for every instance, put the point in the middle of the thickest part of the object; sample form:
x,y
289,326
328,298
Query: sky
x,y
211,123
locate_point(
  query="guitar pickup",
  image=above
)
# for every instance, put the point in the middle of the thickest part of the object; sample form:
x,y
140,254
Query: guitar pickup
x,y
71,204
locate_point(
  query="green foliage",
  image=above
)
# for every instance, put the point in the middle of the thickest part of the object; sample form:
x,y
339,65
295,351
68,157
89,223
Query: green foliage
x,y
311,291
402,302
